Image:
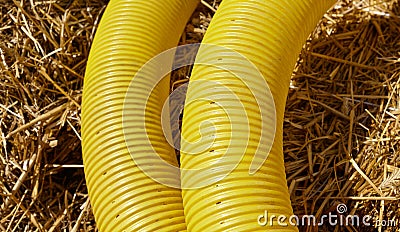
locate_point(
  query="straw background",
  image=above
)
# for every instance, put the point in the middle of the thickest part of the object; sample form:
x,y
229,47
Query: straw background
x,y
341,131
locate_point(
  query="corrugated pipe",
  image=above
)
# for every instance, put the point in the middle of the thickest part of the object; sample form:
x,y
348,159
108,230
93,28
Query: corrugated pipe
x,y
232,162
270,34
123,198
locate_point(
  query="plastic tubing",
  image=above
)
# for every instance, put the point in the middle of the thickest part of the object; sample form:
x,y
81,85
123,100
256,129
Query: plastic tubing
x,y
270,34
123,198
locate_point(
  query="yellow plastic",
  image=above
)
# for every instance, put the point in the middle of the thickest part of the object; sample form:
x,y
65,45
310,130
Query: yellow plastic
x,y
270,34
123,198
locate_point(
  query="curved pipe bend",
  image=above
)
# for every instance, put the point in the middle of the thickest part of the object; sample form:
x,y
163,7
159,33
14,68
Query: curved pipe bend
x,y
269,34
123,198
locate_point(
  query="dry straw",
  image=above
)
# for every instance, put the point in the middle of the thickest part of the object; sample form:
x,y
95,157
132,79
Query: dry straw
x,y
341,131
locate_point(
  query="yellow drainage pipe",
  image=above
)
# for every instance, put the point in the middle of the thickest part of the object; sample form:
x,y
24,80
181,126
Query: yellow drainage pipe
x,y
123,198
269,34
240,196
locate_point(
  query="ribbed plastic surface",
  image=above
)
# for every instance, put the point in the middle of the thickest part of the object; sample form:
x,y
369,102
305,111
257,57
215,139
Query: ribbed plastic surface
x,y
123,198
270,34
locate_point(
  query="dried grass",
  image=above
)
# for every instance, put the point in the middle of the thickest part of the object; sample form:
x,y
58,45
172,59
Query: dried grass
x,y
44,48
341,123
341,132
